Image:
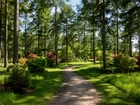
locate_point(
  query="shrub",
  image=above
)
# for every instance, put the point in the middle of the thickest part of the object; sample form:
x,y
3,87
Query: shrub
x,y
19,79
124,63
32,56
36,64
9,68
50,62
121,63
22,61
138,61
51,59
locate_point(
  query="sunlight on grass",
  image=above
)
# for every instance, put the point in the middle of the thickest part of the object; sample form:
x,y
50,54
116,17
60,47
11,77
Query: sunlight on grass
x,y
114,88
45,85
43,88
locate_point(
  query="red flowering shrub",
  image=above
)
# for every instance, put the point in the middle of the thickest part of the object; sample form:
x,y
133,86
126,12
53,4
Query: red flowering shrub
x,y
32,56
138,62
123,63
51,58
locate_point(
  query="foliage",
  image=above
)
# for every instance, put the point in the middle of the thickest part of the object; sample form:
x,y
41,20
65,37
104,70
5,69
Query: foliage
x,y
138,61
42,88
36,64
7,98
63,54
99,55
19,79
32,56
124,63
9,68
23,61
51,58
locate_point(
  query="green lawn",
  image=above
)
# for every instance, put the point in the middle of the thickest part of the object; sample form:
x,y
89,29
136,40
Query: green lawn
x,y
44,84
115,89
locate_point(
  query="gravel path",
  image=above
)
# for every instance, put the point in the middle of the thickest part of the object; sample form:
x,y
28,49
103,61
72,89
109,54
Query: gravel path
x,y
76,91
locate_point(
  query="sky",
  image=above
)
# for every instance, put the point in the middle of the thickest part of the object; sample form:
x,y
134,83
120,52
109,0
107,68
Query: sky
x,y
74,3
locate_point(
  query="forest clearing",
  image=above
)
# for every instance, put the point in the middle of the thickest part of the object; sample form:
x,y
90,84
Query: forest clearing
x,y
96,42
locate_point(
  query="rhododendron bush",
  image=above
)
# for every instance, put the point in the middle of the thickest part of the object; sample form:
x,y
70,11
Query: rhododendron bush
x,y
123,63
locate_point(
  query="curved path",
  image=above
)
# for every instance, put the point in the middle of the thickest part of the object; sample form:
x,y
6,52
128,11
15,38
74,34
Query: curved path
x,y
76,91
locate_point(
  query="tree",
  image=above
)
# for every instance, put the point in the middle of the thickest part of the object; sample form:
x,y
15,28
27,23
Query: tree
x,y
104,36
6,35
15,41
0,26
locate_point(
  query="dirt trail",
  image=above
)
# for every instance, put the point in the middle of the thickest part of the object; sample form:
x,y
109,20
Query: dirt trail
x,y
76,91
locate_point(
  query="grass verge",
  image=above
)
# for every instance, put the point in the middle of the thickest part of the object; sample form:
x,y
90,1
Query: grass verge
x,y
44,87
115,89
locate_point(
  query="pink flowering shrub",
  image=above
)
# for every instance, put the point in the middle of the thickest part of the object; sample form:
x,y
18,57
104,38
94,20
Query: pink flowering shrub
x,y
123,63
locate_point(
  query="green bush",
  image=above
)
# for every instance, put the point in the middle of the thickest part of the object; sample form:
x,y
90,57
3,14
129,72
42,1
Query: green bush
x,y
36,64
50,62
19,79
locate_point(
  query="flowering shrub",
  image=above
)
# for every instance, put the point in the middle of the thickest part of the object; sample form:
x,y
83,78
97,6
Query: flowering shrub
x,y
36,64
32,56
124,63
51,58
23,61
138,62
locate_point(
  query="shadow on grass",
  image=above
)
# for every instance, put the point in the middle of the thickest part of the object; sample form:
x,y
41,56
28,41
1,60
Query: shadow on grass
x,y
45,85
111,95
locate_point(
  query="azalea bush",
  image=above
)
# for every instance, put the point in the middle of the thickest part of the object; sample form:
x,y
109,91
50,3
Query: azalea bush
x,y
122,63
51,59
138,62
23,61
32,56
36,64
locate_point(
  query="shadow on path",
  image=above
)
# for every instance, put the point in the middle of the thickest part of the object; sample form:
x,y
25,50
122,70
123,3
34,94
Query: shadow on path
x,y
76,91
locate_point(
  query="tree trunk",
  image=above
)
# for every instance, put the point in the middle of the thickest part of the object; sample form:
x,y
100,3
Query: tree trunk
x,y
25,50
45,46
15,42
115,46
130,44
117,33
38,49
0,27
139,45
104,37
85,42
6,35
56,36
66,40
45,43
94,58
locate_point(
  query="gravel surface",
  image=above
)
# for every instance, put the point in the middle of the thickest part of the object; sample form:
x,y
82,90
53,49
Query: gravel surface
x,y
76,91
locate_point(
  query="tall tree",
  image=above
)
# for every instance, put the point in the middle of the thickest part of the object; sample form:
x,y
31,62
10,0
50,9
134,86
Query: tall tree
x,y
104,36
56,35
6,35
15,41
0,26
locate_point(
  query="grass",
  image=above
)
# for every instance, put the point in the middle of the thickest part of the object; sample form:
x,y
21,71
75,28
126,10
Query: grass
x,y
115,89
44,84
